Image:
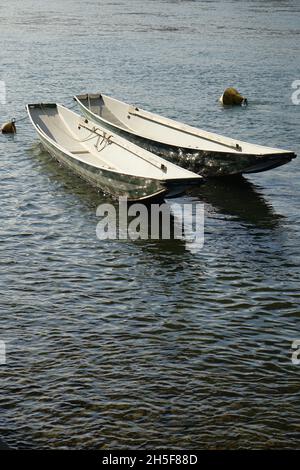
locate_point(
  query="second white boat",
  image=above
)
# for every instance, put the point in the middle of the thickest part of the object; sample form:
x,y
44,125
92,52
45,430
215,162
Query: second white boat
x,y
203,152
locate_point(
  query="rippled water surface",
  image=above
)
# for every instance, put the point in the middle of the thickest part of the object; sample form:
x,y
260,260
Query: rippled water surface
x,y
146,344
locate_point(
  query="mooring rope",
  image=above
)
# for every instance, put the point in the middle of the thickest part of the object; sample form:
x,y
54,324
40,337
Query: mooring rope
x,y
23,114
160,166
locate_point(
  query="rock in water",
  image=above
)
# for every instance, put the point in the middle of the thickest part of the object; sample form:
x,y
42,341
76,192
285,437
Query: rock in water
x,y
232,97
9,127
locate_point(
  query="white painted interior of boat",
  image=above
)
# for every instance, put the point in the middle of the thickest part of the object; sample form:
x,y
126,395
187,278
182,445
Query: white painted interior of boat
x,y
92,144
167,131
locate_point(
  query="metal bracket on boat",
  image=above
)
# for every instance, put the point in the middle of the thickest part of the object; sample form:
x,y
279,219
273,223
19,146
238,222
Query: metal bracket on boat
x,y
132,110
238,147
105,138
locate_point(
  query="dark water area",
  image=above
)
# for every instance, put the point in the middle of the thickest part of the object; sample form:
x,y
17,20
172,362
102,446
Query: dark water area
x,y
120,344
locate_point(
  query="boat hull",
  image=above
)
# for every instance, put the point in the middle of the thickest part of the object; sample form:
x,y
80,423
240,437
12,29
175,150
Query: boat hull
x,y
118,184
206,163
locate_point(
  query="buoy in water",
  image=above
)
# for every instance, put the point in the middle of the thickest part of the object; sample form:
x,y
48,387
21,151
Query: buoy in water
x,y
231,97
9,127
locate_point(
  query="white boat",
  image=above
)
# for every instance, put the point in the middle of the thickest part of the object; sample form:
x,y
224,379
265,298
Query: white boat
x,y
203,152
104,159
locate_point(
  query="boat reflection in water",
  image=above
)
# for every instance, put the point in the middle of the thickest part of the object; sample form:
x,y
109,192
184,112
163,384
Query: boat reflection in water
x,y
169,233
239,198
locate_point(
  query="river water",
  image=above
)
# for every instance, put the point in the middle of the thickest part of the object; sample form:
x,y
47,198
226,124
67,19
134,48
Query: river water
x,y
147,344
